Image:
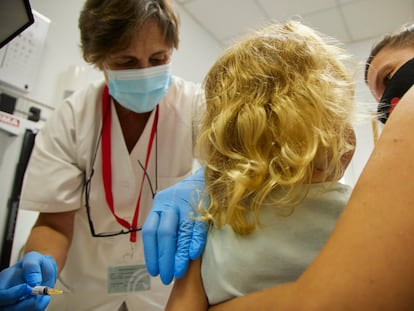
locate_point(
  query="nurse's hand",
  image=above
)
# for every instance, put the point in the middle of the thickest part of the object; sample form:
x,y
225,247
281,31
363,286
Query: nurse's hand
x,y
16,282
170,235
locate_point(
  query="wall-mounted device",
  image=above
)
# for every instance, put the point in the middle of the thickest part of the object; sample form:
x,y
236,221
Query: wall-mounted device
x,y
15,16
23,44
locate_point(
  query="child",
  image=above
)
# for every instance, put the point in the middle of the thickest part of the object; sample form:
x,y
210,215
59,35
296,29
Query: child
x,y
275,141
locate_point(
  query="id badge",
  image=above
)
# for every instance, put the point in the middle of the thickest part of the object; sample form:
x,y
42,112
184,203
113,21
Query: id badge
x,y
126,279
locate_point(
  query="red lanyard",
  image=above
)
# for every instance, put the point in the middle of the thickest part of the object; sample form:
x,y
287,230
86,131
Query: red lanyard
x,y
107,164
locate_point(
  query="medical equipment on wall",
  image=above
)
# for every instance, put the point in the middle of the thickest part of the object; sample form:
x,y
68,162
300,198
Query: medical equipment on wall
x,y
23,34
15,17
21,57
16,138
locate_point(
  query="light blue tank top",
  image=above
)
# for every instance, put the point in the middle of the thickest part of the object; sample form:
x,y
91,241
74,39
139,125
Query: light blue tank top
x,y
277,252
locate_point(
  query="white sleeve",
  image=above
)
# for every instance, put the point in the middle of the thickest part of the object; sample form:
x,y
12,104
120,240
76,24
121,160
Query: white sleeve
x,y
53,180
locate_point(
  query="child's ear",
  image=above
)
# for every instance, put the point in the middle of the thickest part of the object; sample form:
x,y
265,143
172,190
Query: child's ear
x,y
351,139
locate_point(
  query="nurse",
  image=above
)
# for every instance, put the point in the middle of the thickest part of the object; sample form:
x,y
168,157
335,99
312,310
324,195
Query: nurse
x,y
98,162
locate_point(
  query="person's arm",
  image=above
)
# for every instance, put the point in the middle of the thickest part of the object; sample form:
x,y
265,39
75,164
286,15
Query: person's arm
x,y
16,283
52,235
171,237
188,291
45,255
367,264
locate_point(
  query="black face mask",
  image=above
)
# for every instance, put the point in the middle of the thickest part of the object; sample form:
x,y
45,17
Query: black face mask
x,y
397,86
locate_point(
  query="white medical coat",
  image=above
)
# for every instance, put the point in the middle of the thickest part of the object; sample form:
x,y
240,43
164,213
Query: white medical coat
x,y
54,183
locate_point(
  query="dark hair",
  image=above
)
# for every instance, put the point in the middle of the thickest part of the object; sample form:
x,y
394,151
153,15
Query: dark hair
x,y
401,38
108,26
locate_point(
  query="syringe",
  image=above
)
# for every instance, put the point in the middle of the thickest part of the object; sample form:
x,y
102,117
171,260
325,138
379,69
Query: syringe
x,y
45,290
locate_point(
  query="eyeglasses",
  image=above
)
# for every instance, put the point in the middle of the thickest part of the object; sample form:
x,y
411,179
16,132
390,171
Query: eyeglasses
x,y
87,187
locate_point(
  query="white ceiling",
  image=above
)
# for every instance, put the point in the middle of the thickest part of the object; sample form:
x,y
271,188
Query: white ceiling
x,y
347,20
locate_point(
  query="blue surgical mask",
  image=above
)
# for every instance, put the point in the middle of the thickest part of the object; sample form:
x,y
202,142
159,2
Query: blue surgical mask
x,y
139,90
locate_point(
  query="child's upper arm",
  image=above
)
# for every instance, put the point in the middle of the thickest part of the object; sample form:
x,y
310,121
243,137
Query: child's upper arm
x,y
188,292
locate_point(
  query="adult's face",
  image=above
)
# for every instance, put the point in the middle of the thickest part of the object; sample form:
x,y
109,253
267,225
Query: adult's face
x,y
147,49
383,67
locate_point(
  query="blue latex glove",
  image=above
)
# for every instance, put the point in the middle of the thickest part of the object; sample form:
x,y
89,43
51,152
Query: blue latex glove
x,y
16,282
170,236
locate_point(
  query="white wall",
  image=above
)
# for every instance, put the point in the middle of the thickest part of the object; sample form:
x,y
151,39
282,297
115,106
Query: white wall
x,y
191,61
365,105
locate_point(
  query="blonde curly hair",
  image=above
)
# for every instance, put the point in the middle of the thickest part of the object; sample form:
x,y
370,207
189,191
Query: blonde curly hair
x,y
278,113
